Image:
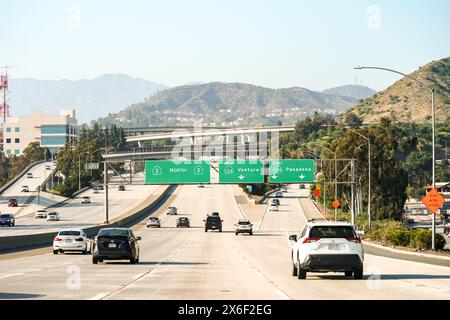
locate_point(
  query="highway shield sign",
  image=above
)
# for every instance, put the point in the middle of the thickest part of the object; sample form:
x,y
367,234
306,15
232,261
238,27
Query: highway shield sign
x,y
241,171
294,171
177,172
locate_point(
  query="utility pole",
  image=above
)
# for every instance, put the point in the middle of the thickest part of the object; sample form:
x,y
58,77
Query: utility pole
x,y
335,186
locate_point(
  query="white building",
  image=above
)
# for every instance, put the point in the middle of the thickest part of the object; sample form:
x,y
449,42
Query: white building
x,y
52,131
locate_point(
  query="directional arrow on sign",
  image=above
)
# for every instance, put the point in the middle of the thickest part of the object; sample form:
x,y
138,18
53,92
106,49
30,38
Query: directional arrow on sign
x,y
301,176
274,177
241,177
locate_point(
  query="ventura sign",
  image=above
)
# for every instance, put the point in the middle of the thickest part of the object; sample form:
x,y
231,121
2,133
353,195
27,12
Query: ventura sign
x,y
241,171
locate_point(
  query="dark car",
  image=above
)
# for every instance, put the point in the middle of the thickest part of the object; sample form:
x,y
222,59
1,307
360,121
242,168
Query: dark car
x,y
213,222
12,203
276,201
183,222
7,219
115,244
121,187
100,187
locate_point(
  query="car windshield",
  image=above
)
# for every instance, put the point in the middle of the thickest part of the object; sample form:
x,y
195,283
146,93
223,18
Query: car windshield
x,y
213,219
332,232
5,216
153,218
52,214
69,233
244,222
113,232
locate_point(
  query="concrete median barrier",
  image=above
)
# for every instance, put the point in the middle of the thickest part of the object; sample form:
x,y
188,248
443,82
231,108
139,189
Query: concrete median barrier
x,y
10,244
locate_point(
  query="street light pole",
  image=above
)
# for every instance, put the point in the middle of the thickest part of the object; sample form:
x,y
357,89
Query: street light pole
x,y
433,124
433,133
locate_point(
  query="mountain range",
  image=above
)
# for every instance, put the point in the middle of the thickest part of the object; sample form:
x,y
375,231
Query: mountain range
x,y
91,99
235,104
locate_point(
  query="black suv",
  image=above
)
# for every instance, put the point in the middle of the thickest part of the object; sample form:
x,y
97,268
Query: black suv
x,y
213,222
183,222
7,219
115,244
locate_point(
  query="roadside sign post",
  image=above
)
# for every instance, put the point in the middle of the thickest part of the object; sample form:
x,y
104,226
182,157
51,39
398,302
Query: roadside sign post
x,y
240,171
294,171
177,172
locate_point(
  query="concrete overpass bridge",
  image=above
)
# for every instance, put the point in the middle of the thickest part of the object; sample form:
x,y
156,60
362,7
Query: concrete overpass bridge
x,y
193,143
219,135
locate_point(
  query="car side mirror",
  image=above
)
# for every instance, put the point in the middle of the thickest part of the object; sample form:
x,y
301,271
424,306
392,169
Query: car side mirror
x,y
138,238
204,220
221,220
293,237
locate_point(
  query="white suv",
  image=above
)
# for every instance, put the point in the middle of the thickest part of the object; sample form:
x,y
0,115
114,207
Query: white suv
x,y
325,247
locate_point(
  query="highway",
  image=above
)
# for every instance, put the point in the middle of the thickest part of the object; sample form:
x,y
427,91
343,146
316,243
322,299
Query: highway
x,y
191,264
73,214
39,175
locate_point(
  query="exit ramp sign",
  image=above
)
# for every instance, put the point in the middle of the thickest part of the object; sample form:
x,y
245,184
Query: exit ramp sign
x,y
177,172
293,171
241,171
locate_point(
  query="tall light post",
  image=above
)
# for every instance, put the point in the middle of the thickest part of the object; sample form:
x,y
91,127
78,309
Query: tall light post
x,y
433,134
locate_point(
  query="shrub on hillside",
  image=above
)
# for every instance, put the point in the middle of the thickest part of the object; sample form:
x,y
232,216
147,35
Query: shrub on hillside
x,y
399,237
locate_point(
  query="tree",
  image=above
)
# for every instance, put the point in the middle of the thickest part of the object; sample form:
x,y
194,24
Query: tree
x,y
353,120
388,180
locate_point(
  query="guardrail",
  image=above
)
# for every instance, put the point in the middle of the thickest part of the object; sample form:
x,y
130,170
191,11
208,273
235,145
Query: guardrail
x,y
20,175
27,242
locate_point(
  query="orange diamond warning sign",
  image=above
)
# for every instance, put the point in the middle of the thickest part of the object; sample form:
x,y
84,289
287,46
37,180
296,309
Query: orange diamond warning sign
x,y
316,192
433,200
336,204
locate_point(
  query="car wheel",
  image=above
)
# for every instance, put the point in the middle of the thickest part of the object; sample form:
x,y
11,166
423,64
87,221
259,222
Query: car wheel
x,y
55,251
348,273
137,260
301,273
206,230
294,270
94,260
251,233
358,274
220,230
132,260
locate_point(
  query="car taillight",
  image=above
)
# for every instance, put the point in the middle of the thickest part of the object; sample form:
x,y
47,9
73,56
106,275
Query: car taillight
x,y
354,239
79,239
309,240
58,239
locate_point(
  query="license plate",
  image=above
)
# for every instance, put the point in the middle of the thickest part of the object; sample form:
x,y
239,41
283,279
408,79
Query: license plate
x,y
112,245
68,240
333,246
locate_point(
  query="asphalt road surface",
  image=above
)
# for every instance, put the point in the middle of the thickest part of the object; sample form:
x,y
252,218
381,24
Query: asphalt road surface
x,y
192,264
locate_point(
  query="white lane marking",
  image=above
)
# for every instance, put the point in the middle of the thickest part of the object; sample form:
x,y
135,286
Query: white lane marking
x,y
99,296
259,274
11,275
282,294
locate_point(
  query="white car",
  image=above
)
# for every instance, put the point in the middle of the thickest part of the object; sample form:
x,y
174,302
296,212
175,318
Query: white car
x,y
153,222
25,189
71,240
40,214
85,200
53,216
273,207
279,194
244,226
172,210
327,247
29,175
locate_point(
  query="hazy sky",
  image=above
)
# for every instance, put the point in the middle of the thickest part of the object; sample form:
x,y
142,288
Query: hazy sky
x,y
312,44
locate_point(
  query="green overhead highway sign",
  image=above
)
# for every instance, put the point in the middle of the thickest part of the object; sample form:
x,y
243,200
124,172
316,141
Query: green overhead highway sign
x,y
177,172
291,171
241,171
